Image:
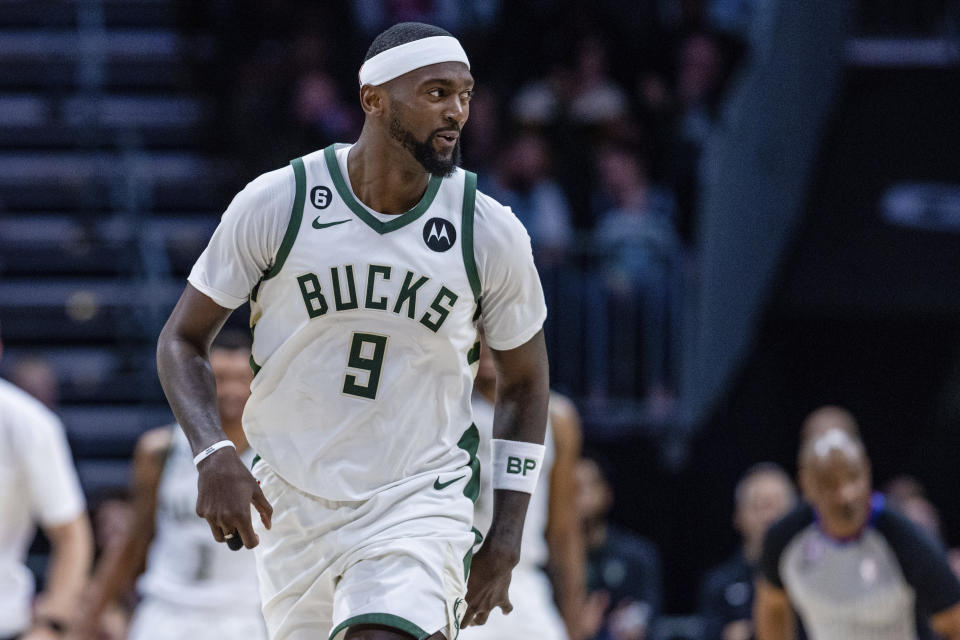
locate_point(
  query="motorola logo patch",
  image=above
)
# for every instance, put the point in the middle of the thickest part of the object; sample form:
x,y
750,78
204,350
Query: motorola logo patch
x,y
439,234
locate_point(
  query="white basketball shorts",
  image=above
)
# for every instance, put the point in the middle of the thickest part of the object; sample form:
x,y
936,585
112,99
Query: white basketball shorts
x,y
157,619
534,614
397,559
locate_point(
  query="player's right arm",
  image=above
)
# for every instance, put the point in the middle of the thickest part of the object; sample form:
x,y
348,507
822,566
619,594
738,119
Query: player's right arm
x,y
772,612
513,315
241,251
124,561
225,488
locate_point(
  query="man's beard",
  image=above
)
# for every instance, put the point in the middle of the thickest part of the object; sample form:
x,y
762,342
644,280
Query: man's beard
x,y
423,152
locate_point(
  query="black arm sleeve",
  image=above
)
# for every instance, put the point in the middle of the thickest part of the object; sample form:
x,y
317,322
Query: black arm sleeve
x,y
776,540
922,561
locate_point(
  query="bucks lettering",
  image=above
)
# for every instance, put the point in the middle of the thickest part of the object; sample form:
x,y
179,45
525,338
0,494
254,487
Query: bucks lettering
x,y
348,288
520,466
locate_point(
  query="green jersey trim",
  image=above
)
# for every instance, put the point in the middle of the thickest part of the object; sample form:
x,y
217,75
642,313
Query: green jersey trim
x,y
468,558
361,212
296,216
470,442
382,619
466,230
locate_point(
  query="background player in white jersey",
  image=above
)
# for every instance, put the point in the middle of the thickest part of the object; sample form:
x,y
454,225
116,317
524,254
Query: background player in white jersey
x,y
552,538
193,587
367,267
38,484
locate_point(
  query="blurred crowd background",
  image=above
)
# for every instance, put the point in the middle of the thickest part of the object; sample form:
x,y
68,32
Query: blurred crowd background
x,y
740,209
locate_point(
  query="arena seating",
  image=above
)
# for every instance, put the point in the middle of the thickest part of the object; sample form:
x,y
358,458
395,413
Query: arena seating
x,y
106,198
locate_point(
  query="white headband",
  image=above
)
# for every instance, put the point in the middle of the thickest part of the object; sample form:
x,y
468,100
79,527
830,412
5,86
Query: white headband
x,y
395,62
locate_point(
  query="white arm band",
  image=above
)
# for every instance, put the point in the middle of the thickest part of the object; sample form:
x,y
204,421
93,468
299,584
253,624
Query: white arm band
x,y
203,455
516,464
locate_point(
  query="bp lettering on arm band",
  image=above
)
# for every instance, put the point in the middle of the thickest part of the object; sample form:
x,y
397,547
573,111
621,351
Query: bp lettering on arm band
x,y
516,464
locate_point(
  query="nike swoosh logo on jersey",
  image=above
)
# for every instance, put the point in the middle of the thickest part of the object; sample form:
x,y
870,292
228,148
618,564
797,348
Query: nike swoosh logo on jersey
x,y
443,485
323,225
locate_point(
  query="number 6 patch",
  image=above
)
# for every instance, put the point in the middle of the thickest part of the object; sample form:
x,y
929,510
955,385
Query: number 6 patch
x,y
320,197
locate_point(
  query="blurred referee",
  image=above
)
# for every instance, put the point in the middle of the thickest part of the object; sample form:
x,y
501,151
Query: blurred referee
x,y
852,568
38,485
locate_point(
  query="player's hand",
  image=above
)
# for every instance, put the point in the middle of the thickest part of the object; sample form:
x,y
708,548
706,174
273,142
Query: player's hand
x,y
489,583
225,491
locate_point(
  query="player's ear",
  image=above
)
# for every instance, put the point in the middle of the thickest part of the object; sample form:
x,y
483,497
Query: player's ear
x,y
372,99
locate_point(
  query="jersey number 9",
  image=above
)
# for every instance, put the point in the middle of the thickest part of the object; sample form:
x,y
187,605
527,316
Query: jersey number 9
x,y
366,355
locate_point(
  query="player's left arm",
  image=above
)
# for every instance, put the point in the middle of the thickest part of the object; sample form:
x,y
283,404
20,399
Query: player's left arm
x,y
71,545
567,552
520,414
55,497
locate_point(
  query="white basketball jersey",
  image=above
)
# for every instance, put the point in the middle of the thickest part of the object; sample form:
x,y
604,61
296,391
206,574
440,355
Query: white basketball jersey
x,y
185,565
533,550
365,336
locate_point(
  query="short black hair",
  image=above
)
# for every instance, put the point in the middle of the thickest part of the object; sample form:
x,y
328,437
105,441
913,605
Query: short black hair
x,y
233,340
402,33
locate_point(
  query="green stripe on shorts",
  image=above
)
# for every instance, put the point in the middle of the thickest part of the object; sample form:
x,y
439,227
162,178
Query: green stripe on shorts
x,y
382,619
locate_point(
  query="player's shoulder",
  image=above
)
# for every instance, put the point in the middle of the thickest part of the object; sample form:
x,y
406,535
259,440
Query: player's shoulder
x,y
155,441
273,189
562,405
495,225
25,411
788,527
565,421
489,210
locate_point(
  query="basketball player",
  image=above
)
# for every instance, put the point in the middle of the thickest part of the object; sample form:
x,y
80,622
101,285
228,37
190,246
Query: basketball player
x,y
851,567
38,485
367,267
552,539
193,587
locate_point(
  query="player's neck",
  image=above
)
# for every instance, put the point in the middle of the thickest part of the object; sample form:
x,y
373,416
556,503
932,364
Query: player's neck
x,y
384,176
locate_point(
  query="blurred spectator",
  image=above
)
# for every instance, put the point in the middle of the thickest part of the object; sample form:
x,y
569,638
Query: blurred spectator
x,y
38,484
639,253
320,111
764,494
522,182
596,98
623,569
539,102
35,376
482,138
373,16
906,494
702,69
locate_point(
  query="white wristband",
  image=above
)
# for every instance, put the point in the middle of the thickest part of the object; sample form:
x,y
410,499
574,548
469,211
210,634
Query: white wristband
x,y
516,464
203,455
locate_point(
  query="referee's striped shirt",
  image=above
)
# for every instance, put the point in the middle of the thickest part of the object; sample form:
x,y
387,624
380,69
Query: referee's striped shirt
x,y
880,585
